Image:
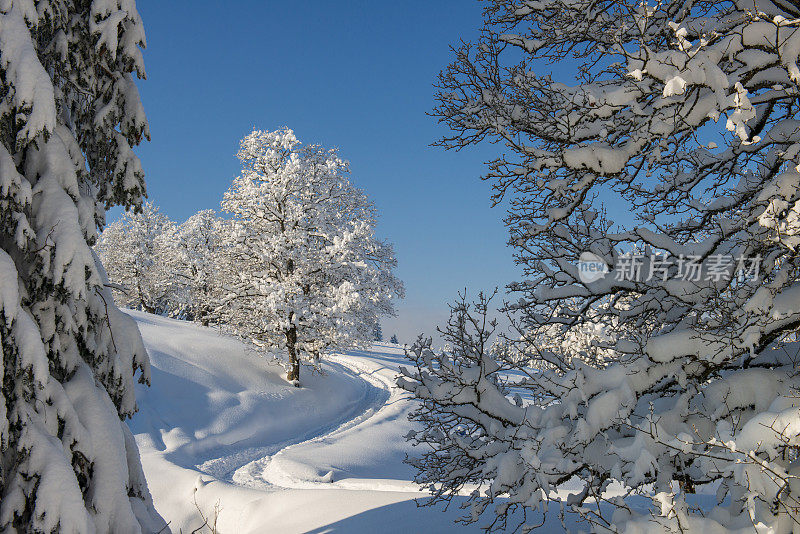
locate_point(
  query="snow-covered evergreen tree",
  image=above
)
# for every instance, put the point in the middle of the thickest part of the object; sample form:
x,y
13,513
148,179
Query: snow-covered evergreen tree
x,y
304,272
378,332
199,246
688,111
394,339
70,113
141,256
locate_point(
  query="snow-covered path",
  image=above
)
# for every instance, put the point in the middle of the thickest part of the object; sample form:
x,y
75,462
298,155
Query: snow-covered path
x,y
222,428
366,452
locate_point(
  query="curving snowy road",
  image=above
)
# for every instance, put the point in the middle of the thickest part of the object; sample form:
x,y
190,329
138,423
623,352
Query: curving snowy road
x,y
220,429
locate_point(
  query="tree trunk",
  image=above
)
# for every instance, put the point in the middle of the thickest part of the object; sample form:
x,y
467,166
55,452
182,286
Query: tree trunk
x,y
205,310
291,344
145,307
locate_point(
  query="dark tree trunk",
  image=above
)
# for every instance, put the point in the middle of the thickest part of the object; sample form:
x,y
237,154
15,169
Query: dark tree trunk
x,y
145,307
205,310
291,344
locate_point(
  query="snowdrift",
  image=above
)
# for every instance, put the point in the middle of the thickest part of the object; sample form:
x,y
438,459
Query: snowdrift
x,y
222,433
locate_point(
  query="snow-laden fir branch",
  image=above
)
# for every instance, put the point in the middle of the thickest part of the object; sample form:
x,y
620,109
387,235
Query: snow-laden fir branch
x,y
69,117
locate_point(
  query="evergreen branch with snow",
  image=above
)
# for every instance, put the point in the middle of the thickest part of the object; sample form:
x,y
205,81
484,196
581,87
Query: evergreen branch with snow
x,y
70,115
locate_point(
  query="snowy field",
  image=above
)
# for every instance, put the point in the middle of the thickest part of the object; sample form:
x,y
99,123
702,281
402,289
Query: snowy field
x,y
222,426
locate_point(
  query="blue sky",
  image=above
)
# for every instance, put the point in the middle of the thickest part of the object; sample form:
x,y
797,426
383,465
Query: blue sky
x,y
356,75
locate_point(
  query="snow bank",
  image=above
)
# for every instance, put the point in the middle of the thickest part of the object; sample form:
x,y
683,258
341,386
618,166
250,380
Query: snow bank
x,y
222,427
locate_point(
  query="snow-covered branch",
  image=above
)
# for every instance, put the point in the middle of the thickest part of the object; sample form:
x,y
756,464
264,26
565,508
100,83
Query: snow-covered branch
x,y
685,115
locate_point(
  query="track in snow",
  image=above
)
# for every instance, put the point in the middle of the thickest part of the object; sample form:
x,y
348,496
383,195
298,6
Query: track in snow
x,y
221,429
245,467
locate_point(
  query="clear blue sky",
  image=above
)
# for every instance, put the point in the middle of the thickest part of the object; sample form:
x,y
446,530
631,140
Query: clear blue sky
x,y
356,75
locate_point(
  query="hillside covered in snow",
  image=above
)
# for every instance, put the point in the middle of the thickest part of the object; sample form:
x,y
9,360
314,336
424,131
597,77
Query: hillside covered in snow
x,y
222,426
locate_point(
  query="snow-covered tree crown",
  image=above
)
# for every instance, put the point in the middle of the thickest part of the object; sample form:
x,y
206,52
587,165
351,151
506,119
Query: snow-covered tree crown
x,y
200,241
140,254
70,113
305,272
687,112
276,171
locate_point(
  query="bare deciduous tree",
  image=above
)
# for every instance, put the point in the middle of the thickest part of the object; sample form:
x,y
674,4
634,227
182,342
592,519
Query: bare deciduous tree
x,y
685,113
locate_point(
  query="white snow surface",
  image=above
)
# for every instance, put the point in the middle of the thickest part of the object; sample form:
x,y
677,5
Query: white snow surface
x,y
220,423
